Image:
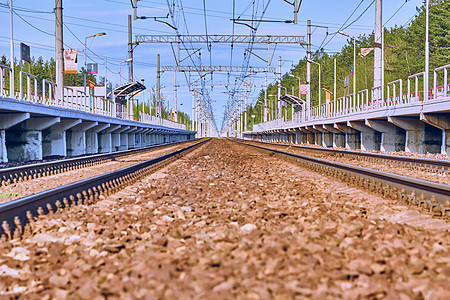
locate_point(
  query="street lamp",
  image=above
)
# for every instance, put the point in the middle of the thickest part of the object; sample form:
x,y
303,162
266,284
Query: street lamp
x,y
98,34
354,62
320,87
298,84
120,69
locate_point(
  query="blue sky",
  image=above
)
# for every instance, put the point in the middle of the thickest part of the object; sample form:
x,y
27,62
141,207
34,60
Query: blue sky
x,y
84,18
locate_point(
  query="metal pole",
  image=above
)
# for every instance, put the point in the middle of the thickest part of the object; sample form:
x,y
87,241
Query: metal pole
x,y
245,107
59,51
120,76
308,70
175,97
11,79
130,49
279,88
158,88
106,86
193,106
265,100
335,79
84,71
378,68
320,87
382,63
427,53
354,70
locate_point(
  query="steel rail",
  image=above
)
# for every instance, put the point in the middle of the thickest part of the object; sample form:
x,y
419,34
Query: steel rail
x,y
432,162
16,215
432,196
30,171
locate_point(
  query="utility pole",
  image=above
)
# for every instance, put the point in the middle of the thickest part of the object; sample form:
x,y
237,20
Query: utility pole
x,y
11,80
193,107
130,49
130,63
59,50
308,70
245,106
175,97
377,76
158,89
279,87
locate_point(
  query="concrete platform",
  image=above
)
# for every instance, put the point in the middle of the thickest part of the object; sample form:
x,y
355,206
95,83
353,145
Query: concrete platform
x,y
33,131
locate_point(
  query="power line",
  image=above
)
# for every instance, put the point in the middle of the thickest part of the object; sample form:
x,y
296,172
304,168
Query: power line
x,y
396,12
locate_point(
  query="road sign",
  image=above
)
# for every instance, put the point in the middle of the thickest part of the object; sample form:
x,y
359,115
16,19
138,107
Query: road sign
x,y
352,69
253,116
346,81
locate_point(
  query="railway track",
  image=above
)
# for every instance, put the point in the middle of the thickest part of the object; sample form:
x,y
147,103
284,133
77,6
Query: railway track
x,y
28,172
432,197
17,216
436,166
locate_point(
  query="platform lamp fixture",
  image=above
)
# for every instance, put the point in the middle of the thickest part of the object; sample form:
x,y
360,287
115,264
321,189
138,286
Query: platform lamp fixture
x,y
354,62
85,64
120,69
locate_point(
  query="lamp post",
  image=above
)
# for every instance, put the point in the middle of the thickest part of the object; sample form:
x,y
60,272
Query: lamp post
x,y
120,69
354,62
85,64
298,83
320,86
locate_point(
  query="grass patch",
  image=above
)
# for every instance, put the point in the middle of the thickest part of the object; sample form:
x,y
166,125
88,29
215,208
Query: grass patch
x,y
9,195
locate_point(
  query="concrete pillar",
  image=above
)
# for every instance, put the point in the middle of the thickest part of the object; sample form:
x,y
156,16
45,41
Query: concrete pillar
x,y
337,137
119,139
317,140
352,136
105,139
8,121
414,135
76,138
326,136
370,139
24,141
54,141
93,137
442,122
393,138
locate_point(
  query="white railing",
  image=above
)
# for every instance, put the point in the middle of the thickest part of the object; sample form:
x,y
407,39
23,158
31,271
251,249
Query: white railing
x,y
414,96
441,91
28,95
396,98
348,105
72,98
49,86
362,100
154,120
5,92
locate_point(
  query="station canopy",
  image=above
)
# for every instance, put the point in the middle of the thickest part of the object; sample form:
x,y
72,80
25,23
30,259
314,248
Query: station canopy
x,y
293,99
128,89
